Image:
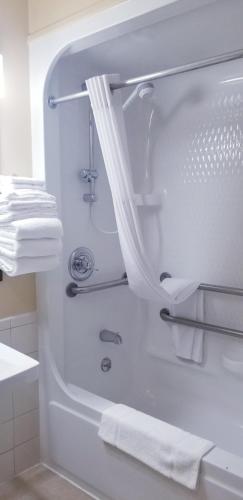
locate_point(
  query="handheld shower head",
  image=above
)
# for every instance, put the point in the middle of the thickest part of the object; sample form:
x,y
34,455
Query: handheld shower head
x,y
143,90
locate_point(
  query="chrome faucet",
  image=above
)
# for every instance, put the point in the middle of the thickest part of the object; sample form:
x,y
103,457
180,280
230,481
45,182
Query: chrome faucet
x,y
109,336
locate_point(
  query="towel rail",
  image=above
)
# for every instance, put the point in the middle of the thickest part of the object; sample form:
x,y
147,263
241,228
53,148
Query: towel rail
x,y
228,290
73,289
166,316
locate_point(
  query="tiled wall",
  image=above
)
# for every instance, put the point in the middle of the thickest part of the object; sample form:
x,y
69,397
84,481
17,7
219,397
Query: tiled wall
x,y
19,415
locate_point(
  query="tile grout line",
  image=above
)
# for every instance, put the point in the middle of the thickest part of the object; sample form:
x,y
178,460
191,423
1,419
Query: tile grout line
x,y
10,326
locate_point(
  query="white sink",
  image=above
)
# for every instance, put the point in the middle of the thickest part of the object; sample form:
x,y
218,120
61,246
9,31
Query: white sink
x,y
16,367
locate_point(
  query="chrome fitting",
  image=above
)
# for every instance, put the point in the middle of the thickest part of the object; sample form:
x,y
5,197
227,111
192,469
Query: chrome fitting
x,y
51,102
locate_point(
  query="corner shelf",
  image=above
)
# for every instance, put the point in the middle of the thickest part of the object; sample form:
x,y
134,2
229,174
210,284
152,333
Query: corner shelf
x,y
150,200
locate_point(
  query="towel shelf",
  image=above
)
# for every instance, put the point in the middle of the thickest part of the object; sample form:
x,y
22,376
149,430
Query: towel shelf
x,y
166,316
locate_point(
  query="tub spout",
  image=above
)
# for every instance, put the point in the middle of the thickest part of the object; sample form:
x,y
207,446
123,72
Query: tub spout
x,y
109,336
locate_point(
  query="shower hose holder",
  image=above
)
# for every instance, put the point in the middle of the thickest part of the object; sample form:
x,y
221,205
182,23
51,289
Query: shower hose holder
x,y
89,176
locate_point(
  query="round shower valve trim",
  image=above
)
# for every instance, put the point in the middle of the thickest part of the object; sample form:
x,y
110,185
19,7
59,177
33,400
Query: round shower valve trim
x,y
81,264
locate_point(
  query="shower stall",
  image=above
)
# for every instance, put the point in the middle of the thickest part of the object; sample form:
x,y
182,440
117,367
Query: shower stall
x,y
100,344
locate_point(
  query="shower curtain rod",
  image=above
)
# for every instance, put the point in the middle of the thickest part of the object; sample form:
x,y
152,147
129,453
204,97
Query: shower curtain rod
x,y
204,63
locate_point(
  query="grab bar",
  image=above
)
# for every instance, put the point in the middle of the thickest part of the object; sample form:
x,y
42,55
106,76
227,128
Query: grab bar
x,y
166,316
229,290
73,289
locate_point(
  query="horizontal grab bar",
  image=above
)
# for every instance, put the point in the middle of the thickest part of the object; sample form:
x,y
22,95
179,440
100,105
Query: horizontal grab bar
x,y
73,289
228,290
166,316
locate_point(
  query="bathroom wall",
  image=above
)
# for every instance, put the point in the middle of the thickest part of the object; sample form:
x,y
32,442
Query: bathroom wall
x,y
14,108
45,14
17,294
88,232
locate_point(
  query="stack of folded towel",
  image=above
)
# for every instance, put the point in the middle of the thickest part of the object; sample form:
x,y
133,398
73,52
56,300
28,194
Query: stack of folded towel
x,y
30,232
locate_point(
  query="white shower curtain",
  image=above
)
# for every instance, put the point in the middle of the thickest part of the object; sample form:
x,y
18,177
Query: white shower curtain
x,y
109,119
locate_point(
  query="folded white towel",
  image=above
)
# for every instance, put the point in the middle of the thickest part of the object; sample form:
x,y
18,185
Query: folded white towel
x,y
24,194
7,181
179,289
12,216
188,341
34,228
18,205
13,249
30,232
171,451
26,265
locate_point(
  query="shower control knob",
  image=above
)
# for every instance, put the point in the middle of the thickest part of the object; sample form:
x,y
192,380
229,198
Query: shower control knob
x,y
81,264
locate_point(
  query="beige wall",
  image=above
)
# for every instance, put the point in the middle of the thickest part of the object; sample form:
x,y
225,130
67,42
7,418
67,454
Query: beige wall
x,y
15,108
17,19
17,295
44,14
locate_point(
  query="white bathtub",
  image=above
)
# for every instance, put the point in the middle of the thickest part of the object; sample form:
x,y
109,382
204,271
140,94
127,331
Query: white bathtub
x,y
110,474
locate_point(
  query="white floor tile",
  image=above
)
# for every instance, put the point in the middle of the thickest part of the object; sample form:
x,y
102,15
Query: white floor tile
x,y
24,338
6,406
26,427
5,324
23,319
25,398
5,337
26,455
6,436
6,466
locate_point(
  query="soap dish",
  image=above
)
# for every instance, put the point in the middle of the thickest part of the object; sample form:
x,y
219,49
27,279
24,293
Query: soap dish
x,y
148,199
232,360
